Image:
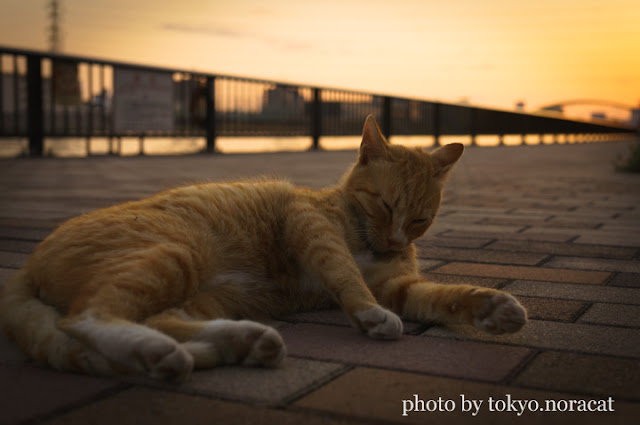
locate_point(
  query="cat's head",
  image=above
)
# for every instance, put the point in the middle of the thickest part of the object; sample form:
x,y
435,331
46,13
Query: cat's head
x,y
396,190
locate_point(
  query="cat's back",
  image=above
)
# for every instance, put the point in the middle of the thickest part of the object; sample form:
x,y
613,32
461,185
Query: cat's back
x,y
197,223
245,200
179,214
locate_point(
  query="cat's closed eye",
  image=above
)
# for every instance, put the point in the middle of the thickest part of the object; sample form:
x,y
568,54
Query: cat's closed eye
x,y
387,207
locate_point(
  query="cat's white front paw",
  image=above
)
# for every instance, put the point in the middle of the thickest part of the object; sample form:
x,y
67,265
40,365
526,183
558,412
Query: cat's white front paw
x,y
500,313
379,323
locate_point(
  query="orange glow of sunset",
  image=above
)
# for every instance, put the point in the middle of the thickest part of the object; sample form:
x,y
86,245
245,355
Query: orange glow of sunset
x,y
491,53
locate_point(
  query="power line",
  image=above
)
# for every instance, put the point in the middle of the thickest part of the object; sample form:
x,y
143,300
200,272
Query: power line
x,y
55,42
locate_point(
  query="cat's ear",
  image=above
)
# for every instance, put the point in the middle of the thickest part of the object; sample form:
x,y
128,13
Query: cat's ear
x,y
444,158
374,144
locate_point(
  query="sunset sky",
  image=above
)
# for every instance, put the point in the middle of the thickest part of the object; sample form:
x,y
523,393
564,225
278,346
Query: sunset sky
x,y
490,52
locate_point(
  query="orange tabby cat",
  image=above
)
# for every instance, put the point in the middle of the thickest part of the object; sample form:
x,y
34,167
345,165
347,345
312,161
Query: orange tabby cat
x,y
165,284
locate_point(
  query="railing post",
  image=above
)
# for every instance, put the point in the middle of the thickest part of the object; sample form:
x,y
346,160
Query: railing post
x,y
436,124
210,117
89,129
525,127
474,124
35,114
316,119
386,117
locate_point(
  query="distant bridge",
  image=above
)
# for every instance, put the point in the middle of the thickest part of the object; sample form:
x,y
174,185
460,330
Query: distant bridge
x,y
559,106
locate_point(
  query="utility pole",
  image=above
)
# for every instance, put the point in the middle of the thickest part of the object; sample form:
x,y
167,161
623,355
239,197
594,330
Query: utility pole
x,y
55,42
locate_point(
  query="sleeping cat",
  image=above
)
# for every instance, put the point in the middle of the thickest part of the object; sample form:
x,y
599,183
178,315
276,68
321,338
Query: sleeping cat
x,y
173,282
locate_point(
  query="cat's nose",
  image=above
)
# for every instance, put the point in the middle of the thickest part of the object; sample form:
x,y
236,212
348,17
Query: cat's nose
x,y
395,242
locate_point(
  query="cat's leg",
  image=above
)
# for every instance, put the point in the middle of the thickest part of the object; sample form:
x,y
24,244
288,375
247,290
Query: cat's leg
x,y
134,347
487,309
221,341
325,257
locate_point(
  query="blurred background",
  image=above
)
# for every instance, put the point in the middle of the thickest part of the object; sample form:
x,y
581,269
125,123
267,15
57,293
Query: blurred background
x,y
580,58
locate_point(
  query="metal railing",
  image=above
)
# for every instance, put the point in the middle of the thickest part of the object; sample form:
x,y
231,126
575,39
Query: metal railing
x,y
45,95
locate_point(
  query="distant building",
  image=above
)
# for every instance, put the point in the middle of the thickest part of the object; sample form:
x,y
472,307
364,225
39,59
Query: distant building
x,y
635,117
282,102
12,98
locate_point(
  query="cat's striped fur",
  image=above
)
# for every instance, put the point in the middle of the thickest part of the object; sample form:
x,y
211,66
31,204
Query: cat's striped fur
x,y
165,284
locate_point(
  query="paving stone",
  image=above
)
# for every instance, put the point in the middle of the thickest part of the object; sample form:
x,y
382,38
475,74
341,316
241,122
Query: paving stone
x,y
22,222
430,355
525,221
551,206
593,339
471,211
531,273
572,372
547,237
568,249
435,241
572,222
377,395
35,210
616,239
13,260
619,226
580,263
13,245
613,314
460,218
488,282
583,214
482,198
629,216
597,233
552,309
481,255
262,386
616,204
428,264
629,280
567,291
5,274
336,317
323,317
442,225
10,354
543,214
149,406
29,392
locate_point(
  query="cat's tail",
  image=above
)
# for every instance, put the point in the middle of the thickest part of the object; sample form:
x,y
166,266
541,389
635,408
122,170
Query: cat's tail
x,y
31,323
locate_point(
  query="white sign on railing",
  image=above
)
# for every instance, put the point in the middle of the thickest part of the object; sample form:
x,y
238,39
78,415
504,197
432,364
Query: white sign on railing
x,y
66,85
142,101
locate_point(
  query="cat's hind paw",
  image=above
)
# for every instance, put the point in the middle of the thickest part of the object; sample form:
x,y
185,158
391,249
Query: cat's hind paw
x,y
379,323
266,348
500,313
242,342
174,365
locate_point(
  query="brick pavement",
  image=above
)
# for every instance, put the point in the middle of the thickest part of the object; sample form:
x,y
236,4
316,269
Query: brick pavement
x,y
554,225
